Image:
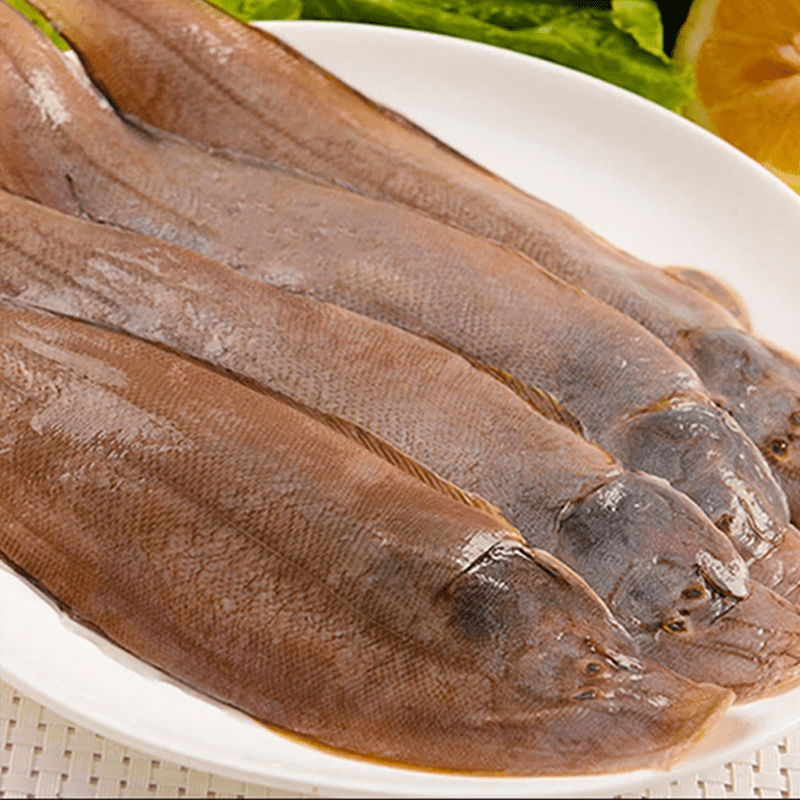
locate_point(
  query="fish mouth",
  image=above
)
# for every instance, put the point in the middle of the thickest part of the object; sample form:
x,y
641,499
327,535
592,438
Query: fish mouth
x,y
752,646
647,721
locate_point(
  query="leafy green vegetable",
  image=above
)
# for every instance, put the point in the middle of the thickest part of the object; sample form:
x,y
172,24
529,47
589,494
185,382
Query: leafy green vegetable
x,y
248,10
619,41
642,20
34,16
515,14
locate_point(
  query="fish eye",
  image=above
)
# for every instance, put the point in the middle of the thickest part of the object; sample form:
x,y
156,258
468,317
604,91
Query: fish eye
x,y
694,592
725,524
589,694
779,448
676,626
593,668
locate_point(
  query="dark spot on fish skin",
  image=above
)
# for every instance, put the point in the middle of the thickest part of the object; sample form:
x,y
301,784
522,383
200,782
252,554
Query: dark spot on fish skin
x,y
477,611
587,695
476,623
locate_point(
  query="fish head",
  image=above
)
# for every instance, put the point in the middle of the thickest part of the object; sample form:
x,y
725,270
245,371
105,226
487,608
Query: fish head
x,y
513,598
759,385
700,450
566,678
679,587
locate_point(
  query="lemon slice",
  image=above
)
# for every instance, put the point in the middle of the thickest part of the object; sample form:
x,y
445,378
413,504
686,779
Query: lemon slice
x,y
746,57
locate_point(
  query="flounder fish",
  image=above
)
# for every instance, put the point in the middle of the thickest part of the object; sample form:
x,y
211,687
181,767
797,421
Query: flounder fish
x,y
669,576
259,556
194,71
64,146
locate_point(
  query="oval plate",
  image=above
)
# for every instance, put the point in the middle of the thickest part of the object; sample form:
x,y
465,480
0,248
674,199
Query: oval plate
x,y
641,176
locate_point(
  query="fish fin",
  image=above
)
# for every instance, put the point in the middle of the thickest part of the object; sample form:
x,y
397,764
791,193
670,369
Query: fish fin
x,y
538,399
715,289
541,401
370,441
376,445
397,458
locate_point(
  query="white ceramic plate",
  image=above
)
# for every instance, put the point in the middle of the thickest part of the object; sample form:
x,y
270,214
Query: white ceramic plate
x,y
644,178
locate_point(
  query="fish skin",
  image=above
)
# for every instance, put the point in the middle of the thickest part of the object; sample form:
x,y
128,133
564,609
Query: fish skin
x,y
194,71
65,147
422,398
715,289
438,408
303,579
718,354
681,604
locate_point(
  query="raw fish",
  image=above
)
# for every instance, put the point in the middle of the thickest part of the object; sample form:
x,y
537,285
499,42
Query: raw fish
x,y
188,68
64,146
674,581
265,559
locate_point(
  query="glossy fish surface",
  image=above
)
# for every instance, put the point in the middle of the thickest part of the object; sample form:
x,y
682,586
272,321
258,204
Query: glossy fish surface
x,y
718,354
256,554
460,421
265,99
437,407
441,410
65,147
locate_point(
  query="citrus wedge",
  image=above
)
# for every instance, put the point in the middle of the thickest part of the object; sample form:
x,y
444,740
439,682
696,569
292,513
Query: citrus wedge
x,y
746,57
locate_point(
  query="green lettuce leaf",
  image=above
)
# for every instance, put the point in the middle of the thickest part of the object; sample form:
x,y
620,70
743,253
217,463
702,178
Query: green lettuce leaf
x,y
37,19
249,10
642,20
619,44
515,14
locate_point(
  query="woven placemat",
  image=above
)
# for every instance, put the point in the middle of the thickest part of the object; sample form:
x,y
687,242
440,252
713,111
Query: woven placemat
x,y
45,755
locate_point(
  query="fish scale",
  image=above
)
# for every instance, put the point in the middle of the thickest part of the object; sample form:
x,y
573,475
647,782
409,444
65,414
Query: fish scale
x,y
208,562
400,267
267,100
562,493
